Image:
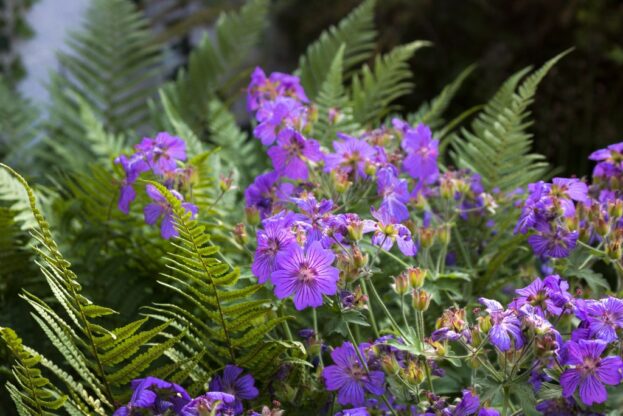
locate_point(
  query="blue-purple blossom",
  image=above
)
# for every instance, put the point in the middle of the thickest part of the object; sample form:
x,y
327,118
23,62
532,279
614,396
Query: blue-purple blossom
x,y
552,240
422,152
274,116
387,232
604,318
315,216
275,238
505,326
355,411
156,395
133,166
351,156
349,376
262,88
163,152
610,161
307,274
590,372
212,403
395,194
266,193
161,208
292,152
548,296
242,387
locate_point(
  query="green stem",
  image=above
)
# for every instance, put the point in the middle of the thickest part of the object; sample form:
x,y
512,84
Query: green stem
x,y
385,310
318,338
375,327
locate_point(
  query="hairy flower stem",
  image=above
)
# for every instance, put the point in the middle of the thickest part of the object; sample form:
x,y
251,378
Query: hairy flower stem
x,y
318,337
386,311
371,317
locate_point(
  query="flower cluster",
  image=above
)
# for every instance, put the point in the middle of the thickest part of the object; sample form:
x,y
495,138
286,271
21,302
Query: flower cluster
x,y
161,156
153,396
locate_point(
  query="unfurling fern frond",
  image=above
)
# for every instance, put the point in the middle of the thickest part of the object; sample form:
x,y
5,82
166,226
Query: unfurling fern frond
x,y
498,146
33,395
113,64
230,322
102,360
374,89
356,32
212,62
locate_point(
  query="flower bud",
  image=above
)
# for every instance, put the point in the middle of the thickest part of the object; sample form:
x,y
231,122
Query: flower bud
x,y
401,284
420,299
427,237
370,169
615,209
484,323
240,234
602,227
443,233
446,189
355,230
253,216
416,276
614,250
359,259
389,364
225,183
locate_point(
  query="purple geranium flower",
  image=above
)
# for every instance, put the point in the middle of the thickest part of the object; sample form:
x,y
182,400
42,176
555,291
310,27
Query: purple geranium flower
x,y
395,194
241,387
132,166
604,318
163,152
610,161
265,192
351,156
505,325
387,231
160,207
306,274
275,238
422,152
212,403
589,371
289,157
315,216
154,394
546,296
273,116
551,240
349,376
355,411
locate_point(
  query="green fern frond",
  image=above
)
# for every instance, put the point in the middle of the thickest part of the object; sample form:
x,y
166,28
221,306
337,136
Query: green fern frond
x,y
35,394
374,89
355,31
112,64
102,359
212,62
498,146
431,113
333,97
18,126
12,192
228,317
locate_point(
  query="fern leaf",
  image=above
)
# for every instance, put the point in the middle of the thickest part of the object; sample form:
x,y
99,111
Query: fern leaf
x,y
35,395
498,146
214,59
374,89
18,126
356,32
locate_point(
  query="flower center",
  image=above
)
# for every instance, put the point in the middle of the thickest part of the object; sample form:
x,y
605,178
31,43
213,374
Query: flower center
x,y
306,274
357,372
589,366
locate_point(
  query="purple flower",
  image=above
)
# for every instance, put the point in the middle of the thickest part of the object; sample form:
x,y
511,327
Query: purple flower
x,y
160,207
273,116
315,216
133,167
349,376
265,191
589,371
546,296
262,89
241,387
505,325
604,318
395,194
387,231
468,405
553,241
289,157
355,411
212,403
154,394
275,238
306,274
422,152
610,161
163,152
351,156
